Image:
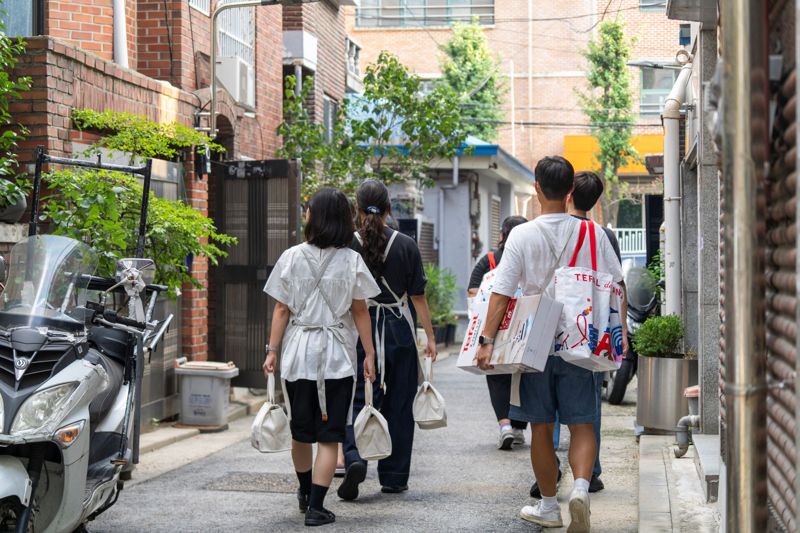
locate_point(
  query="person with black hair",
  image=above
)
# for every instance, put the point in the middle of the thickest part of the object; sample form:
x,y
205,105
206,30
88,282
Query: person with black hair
x,y
321,288
532,253
395,261
511,431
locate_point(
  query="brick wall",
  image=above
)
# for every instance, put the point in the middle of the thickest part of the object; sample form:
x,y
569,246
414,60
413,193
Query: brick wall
x,y
88,23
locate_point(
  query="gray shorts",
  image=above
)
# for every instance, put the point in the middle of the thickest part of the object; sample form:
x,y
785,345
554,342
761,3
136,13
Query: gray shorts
x,y
563,389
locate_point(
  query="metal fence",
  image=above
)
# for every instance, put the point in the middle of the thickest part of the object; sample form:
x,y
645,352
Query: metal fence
x,y
631,241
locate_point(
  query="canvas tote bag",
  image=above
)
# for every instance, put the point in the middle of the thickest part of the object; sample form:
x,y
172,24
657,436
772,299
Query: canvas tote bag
x,y
429,411
270,431
589,333
371,430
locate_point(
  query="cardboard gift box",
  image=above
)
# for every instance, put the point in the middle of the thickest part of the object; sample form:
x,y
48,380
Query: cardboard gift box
x,y
524,340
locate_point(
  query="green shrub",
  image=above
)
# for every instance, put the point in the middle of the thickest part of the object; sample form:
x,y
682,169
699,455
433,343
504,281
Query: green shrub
x,y
659,336
440,292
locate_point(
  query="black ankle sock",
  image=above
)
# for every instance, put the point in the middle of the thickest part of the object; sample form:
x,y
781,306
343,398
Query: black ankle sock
x,y
305,481
318,493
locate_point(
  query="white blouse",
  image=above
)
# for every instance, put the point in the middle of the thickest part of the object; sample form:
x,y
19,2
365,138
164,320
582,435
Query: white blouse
x,y
317,329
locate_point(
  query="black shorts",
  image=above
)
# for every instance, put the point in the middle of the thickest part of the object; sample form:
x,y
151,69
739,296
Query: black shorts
x,y
306,424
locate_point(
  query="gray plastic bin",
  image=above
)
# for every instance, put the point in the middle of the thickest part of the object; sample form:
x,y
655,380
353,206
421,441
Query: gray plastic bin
x,y
204,395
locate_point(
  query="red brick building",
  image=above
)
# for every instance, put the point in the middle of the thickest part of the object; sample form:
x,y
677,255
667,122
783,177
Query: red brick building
x,y
73,64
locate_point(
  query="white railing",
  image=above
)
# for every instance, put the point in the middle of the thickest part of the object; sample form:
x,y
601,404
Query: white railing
x,y
631,241
237,33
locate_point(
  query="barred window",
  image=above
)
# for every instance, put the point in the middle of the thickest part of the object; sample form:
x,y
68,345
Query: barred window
x,y
416,13
237,33
203,6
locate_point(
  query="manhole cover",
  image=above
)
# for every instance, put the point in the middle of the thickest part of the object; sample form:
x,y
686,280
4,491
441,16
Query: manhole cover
x,y
255,482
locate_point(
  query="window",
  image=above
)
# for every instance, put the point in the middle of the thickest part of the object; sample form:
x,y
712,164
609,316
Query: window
x,y
237,33
204,6
655,87
330,109
416,13
22,18
653,5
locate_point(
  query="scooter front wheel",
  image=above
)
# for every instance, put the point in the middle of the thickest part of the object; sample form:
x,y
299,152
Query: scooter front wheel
x,y
10,511
622,377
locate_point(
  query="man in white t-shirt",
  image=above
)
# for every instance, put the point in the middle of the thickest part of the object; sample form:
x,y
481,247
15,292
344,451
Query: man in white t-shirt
x,y
532,252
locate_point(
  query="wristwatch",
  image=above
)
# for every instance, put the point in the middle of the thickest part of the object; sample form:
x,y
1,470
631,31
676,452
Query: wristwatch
x,y
485,340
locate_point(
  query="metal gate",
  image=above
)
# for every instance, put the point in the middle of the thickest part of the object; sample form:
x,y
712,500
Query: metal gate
x,y
258,203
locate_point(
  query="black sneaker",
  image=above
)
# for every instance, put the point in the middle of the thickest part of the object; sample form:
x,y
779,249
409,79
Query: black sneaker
x,y
302,501
394,489
536,493
319,517
596,484
356,473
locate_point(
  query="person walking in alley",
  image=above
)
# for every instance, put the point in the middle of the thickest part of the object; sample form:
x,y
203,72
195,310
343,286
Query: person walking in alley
x,y
587,190
532,253
395,261
511,431
321,288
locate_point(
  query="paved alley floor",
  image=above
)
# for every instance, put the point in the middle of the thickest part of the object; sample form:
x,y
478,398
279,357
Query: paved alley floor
x,y
459,480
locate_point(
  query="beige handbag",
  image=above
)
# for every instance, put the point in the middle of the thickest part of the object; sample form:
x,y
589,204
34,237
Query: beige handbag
x,y
270,431
371,430
429,412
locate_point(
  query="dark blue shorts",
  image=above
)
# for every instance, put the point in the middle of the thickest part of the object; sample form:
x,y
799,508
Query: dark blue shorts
x,y
562,388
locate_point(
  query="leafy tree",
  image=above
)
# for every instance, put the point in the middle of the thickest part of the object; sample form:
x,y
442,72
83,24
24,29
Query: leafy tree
x,y
608,106
392,133
10,134
473,73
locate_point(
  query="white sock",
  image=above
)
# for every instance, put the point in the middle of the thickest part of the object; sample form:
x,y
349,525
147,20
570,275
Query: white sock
x,y
549,503
505,427
581,483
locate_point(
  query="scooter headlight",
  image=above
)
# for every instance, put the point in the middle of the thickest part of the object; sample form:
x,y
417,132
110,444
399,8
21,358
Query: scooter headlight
x,y
44,410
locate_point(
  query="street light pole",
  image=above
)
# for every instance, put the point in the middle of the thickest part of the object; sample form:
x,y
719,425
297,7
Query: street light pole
x,y
214,38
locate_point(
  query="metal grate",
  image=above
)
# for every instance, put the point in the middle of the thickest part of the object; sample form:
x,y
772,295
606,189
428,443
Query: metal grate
x,y
426,249
237,33
494,221
41,367
203,6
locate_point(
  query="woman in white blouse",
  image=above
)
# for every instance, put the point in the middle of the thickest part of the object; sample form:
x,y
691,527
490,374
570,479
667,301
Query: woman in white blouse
x,y
321,288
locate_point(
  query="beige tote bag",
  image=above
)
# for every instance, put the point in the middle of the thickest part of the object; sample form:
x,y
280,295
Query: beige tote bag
x,y
371,430
270,431
429,412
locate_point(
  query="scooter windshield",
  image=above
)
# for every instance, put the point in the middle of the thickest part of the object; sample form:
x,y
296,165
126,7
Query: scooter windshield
x,y
45,275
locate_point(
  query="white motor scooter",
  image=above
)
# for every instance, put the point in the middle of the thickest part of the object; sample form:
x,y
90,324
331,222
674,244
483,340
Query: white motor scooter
x,y
70,380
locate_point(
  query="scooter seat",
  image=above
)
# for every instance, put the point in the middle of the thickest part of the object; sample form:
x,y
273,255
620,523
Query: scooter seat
x,y
104,401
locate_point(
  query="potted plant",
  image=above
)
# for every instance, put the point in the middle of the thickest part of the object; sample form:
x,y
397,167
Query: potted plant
x,y
440,292
664,373
13,199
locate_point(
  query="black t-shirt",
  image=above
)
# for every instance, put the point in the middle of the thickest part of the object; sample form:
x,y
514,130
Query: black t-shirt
x,y
402,269
482,267
612,237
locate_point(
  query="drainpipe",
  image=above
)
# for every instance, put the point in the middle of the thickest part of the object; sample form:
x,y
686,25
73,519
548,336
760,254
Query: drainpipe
x,y
120,34
672,192
440,215
745,147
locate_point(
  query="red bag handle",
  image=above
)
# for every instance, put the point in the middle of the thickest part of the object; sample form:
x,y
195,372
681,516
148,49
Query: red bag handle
x,y
492,262
586,226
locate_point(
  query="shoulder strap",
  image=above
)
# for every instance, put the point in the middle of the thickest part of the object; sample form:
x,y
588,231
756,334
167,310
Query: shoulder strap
x,y
389,245
317,278
587,226
492,261
579,245
359,239
558,257
592,244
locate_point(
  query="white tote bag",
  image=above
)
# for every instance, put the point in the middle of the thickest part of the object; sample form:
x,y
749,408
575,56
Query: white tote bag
x,y
429,411
589,333
270,431
371,430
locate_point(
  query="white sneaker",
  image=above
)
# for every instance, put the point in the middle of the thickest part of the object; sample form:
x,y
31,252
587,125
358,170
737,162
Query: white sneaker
x,y
534,514
506,439
519,436
579,511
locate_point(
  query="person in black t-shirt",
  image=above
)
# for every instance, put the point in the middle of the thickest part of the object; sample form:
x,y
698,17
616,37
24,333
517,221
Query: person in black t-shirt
x,y
396,264
511,431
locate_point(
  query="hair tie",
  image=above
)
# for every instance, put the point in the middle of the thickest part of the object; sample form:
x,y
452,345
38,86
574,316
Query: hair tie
x,y
372,210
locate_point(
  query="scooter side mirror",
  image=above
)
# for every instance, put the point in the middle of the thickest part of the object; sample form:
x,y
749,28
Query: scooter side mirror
x,y
146,267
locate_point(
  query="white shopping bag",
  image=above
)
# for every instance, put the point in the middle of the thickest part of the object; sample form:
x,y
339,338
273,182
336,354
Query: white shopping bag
x,y
371,430
589,333
270,431
429,411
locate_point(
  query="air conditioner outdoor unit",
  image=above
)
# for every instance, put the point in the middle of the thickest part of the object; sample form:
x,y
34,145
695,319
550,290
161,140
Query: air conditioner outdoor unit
x,y
236,75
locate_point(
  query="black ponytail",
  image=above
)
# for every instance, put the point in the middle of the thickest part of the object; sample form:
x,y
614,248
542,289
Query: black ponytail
x,y
373,204
508,224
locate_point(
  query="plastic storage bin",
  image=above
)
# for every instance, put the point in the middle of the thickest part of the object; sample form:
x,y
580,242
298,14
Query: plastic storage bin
x,y
205,388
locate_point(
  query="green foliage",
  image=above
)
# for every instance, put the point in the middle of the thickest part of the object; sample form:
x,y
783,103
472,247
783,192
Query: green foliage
x,y
102,209
659,336
11,88
608,106
473,73
656,269
138,135
440,293
391,134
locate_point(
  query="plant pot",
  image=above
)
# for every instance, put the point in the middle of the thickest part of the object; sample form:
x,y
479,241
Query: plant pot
x,y
440,334
660,402
450,334
11,214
